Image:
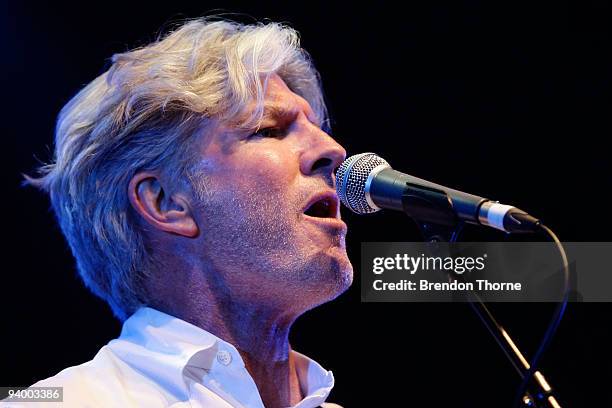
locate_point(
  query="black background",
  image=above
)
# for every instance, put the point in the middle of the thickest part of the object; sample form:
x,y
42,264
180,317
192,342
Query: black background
x,y
508,100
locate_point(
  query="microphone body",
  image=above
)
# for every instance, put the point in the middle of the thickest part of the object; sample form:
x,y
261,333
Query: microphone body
x,y
366,183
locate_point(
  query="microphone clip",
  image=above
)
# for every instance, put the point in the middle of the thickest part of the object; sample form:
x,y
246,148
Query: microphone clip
x,y
432,209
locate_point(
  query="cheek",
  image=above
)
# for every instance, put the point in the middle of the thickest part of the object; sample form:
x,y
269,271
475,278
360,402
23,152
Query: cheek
x,y
264,170
257,171
275,166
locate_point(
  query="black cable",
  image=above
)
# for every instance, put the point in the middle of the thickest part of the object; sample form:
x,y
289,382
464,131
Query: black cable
x,y
553,325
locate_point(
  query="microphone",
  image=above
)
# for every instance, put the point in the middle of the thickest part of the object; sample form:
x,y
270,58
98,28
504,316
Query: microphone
x,y
366,183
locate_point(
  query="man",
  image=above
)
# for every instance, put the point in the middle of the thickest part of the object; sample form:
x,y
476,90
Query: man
x,y
194,184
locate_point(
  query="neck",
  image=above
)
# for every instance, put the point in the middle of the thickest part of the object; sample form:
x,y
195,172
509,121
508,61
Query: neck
x,y
259,332
262,339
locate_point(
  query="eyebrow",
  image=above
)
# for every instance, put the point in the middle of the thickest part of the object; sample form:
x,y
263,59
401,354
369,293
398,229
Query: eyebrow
x,y
284,112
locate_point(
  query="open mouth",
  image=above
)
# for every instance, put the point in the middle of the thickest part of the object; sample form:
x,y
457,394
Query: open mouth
x,y
324,207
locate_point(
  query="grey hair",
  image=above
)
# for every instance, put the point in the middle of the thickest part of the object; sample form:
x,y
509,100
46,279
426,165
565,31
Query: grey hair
x,y
144,114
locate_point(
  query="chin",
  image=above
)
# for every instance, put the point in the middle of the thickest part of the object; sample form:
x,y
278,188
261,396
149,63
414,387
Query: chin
x,y
343,268
337,273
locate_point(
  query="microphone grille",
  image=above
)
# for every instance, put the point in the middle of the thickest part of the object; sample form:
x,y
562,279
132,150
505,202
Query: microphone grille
x,y
351,179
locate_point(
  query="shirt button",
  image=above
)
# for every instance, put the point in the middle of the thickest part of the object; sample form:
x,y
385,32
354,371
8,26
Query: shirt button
x,y
224,357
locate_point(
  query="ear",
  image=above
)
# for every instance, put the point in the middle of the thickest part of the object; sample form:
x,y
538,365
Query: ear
x,y
164,211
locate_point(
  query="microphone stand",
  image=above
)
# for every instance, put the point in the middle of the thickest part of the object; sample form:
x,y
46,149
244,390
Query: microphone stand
x,y
435,228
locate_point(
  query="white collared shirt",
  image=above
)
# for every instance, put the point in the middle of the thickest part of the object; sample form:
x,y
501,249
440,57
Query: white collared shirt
x,y
160,361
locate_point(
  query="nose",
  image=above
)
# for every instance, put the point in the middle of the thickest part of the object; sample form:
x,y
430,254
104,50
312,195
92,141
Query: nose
x,y
323,154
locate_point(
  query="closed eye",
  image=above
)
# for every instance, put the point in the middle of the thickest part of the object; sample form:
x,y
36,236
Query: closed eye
x,y
268,132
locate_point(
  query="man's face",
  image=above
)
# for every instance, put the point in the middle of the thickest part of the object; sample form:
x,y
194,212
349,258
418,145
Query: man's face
x,y
270,221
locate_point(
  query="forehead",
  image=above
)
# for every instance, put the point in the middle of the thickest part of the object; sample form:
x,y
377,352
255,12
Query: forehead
x,y
280,105
276,87
279,100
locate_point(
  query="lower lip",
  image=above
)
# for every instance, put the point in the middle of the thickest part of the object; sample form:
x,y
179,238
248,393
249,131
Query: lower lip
x,y
327,222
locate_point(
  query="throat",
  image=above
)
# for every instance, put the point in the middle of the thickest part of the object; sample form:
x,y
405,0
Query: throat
x,y
278,382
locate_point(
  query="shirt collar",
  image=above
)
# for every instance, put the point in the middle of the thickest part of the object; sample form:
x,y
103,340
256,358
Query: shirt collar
x,y
176,353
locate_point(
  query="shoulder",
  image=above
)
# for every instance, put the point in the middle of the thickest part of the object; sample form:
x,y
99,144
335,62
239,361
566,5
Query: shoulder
x,y
104,381
102,369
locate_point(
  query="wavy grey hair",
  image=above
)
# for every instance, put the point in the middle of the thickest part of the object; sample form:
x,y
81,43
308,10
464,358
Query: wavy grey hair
x,y
144,114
